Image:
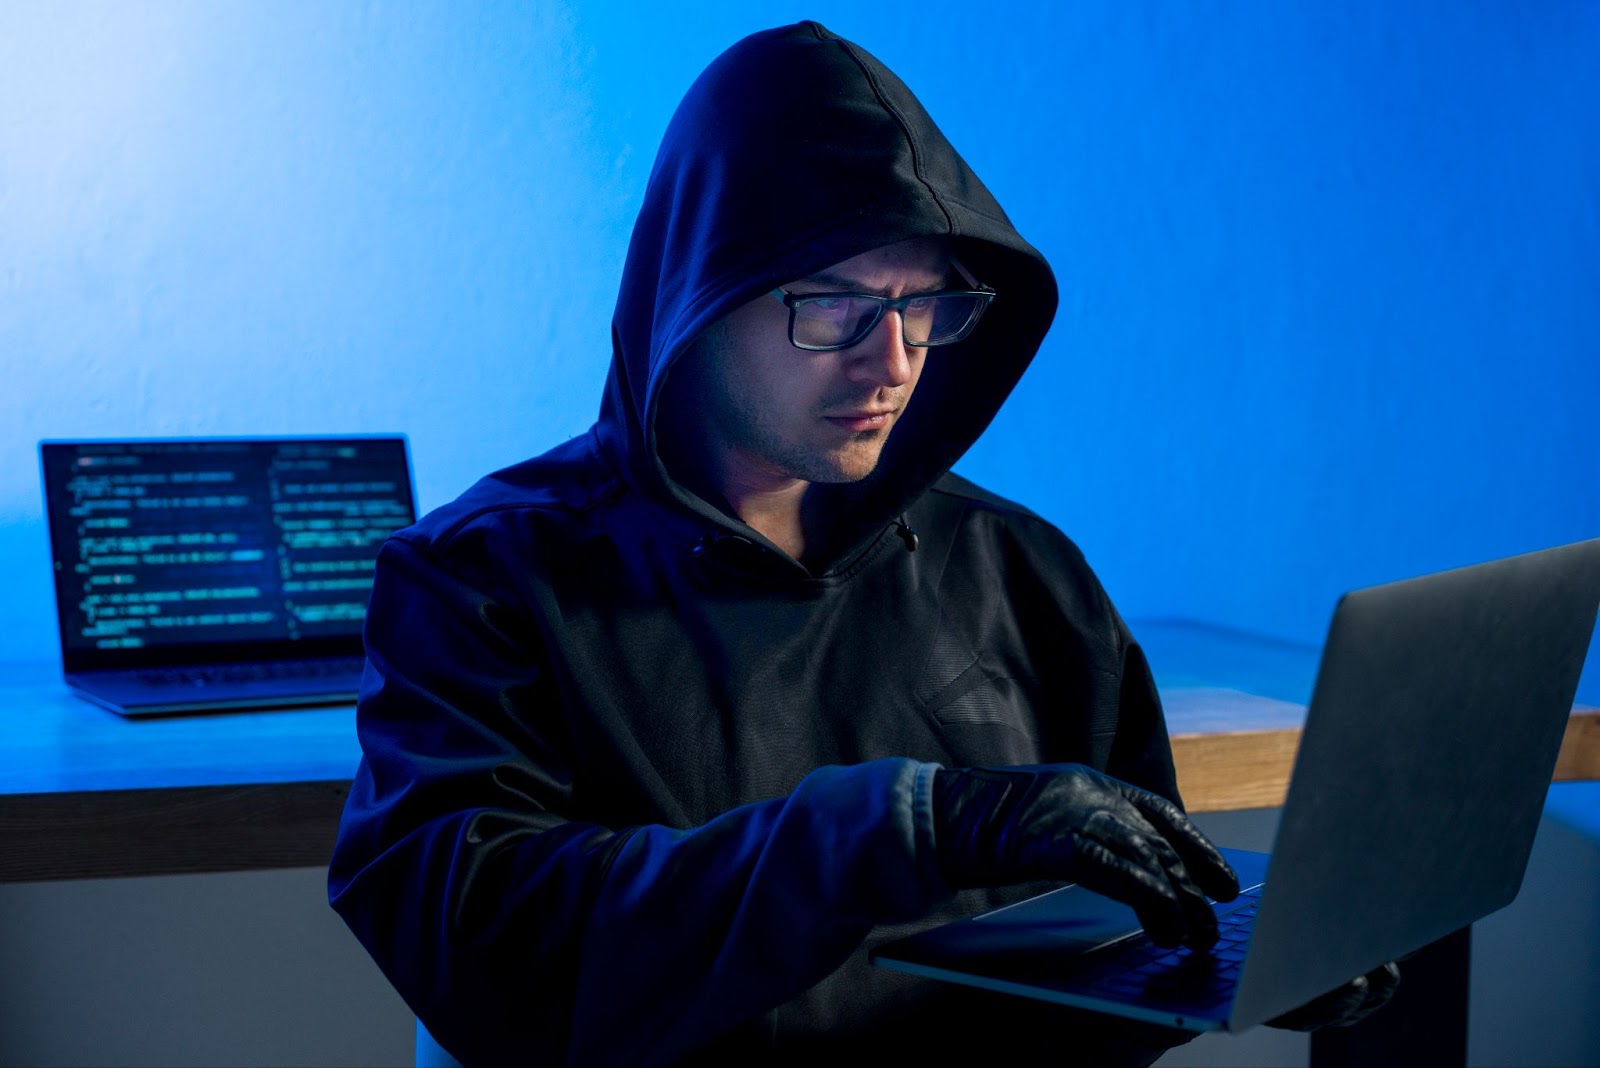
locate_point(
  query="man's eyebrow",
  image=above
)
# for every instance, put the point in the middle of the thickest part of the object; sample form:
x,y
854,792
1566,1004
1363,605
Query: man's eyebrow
x,y
828,278
855,285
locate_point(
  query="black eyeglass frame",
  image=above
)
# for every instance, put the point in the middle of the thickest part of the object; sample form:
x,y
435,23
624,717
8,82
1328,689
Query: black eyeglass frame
x,y
793,302
978,289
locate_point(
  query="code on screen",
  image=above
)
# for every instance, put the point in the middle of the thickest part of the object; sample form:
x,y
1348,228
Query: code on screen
x,y
160,543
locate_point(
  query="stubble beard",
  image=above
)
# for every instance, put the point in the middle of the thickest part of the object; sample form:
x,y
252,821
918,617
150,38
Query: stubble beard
x,y
749,430
850,461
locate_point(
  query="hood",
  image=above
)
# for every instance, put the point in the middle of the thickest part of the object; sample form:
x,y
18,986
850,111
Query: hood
x,y
793,151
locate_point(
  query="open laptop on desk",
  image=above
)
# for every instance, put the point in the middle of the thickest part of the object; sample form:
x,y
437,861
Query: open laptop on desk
x,y
1433,731
211,574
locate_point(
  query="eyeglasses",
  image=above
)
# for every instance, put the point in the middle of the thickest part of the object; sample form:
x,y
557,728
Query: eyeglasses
x,y
821,322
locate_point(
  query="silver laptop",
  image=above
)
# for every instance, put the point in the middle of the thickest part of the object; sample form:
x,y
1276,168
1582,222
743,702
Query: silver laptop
x,y
226,573
1438,712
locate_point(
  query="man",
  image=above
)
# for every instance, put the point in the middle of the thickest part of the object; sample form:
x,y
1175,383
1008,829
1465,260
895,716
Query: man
x,y
664,727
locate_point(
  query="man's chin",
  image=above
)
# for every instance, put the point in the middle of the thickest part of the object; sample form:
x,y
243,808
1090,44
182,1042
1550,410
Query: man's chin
x,y
847,469
840,479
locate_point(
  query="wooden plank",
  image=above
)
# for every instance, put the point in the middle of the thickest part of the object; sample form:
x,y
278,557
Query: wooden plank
x,y
53,742
1234,770
1228,770
1580,747
106,833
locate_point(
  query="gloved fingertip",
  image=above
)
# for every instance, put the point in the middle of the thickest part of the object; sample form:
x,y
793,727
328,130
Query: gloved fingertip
x,y
1220,885
1165,937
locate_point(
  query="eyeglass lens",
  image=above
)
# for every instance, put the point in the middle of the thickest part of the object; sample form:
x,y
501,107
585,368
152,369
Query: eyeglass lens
x,y
841,321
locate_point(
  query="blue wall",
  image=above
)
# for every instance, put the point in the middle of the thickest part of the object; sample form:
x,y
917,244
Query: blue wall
x,y
1329,271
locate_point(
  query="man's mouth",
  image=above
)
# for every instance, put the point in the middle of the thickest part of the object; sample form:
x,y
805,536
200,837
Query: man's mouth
x,y
863,420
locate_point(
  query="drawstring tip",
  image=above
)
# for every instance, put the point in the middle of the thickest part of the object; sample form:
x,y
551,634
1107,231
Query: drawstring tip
x,y
907,535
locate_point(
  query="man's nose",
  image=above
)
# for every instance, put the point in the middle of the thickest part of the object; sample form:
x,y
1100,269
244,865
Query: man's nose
x,y
881,357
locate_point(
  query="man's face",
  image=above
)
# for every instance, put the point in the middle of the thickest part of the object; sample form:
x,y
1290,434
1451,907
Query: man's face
x,y
772,413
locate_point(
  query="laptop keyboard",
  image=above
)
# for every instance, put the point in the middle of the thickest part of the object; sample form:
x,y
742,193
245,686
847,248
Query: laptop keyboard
x,y
1138,967
276,670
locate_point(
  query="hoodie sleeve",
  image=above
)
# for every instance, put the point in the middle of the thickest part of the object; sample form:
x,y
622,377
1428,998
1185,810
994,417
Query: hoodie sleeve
x,y
1141,752
516,931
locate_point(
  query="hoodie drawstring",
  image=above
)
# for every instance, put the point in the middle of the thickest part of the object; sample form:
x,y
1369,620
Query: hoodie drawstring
x,y
907,535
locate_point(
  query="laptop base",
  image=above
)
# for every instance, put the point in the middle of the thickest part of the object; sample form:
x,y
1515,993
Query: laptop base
x,y
1013,950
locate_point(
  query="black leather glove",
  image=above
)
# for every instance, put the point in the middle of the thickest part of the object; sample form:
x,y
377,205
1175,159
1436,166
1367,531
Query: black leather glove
x,y
998,826
1345,1005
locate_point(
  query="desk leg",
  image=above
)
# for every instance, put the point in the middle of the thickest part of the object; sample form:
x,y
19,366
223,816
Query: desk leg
x,y
1425,1022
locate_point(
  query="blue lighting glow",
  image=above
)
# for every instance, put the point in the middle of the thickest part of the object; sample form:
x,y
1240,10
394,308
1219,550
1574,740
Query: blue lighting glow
x,y
1328,310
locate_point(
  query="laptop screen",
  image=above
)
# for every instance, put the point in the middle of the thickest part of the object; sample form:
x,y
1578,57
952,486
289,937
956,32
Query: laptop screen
x,y
203,550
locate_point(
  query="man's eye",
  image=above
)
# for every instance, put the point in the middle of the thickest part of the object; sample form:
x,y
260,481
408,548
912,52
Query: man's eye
x,y
825,304
922,304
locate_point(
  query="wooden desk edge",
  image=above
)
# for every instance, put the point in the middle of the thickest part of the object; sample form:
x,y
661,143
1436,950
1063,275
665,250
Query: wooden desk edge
x,y
1221,772
111,833
115,833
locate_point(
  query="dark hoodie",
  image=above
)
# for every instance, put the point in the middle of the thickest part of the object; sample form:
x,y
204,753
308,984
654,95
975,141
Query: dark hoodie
x,y
637,785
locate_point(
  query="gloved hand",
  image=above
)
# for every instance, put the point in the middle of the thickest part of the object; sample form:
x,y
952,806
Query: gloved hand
x,y
1345,1005
997,826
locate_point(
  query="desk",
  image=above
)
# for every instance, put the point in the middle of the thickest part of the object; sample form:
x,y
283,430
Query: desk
x,y
1235,704
85,793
